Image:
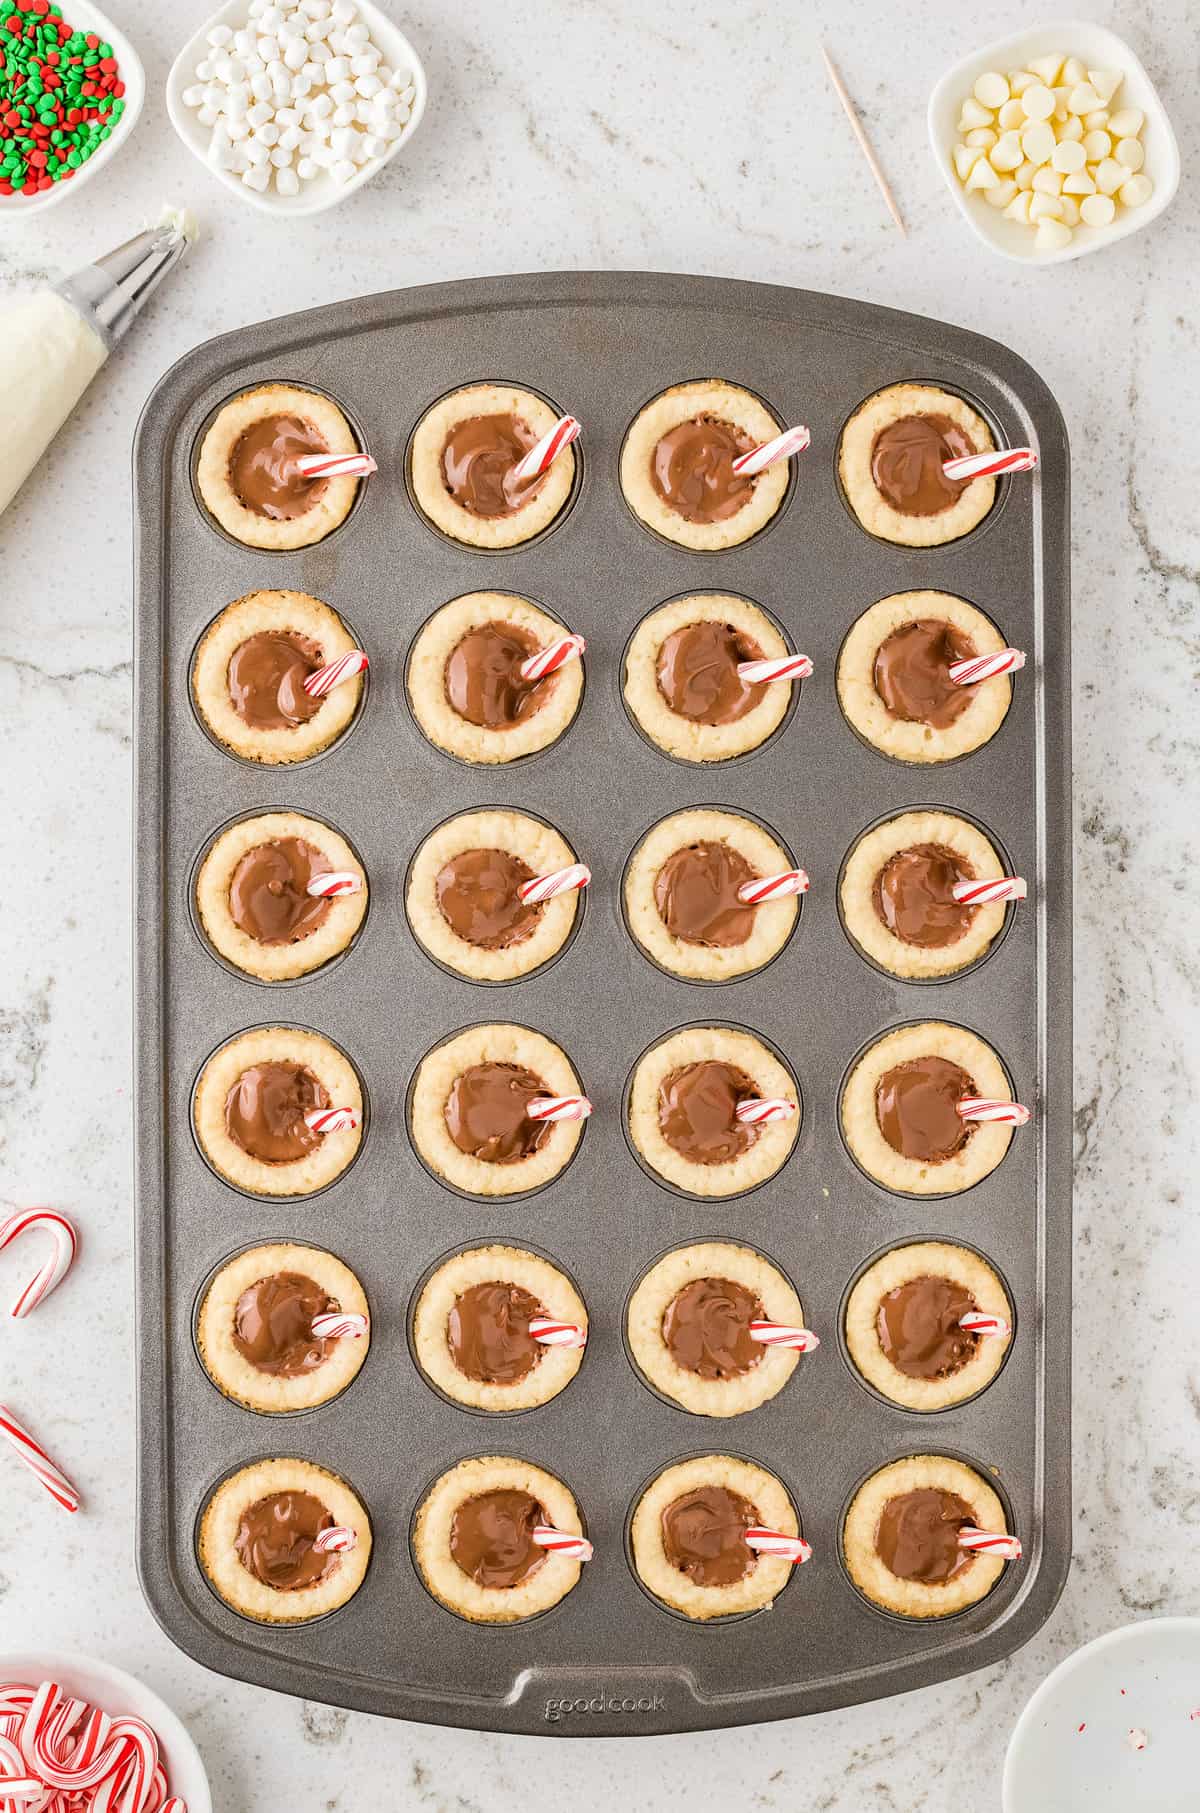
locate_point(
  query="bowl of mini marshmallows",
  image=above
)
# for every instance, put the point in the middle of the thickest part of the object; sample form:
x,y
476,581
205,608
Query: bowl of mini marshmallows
x,y
294,104
1054,143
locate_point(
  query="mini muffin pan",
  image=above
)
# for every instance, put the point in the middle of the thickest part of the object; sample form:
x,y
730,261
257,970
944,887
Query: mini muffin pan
x,y
609,1659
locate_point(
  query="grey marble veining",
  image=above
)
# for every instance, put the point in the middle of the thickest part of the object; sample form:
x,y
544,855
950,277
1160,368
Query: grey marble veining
x,y
606,133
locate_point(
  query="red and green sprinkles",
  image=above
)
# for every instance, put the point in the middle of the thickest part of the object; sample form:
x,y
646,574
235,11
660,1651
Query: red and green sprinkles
x,y
60,96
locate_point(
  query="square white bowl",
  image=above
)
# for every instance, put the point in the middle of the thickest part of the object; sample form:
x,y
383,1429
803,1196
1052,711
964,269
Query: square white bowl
x,y
323,191
81,15
1097,48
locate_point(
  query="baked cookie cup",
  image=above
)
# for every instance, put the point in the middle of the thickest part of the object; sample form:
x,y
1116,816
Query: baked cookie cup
x,y
682,902
473,1545
462,460
248,677
900,1537
254,1329
682,688
893,679
896,895
677,459
465,685
257,1541
468,1110
903,1324
890,463
470,1329
252,902
687,1325
247,474
687,1537
463,895
899,1110
682,1103
251,1108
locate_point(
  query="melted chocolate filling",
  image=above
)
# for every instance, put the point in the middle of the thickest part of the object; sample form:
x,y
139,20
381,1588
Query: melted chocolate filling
x,y
697,1112
488,1333
691,470
912,673
266,679
265,1110
906,463
696,893
918,1326
704,1535
491,1537
917,1535
916,1106
268,891
272,1324
263,471
479,461
486,1113
477,891
706,1328
483,677
698,673
914,896
275,1541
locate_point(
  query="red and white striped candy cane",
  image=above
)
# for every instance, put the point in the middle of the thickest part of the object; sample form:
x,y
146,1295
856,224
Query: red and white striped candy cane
x,y
975,1322
543,453
781,1334
774,1542
558,1108
331,1120
335,465
979,1108
339,1325
51,1274
38,1461
339,1539
334,884
17,1785
557,1334
978,668
773,887
990,1542
575,1548
129,1786
982,893
549,659
757,1111
781,447
346,667
174,1805
781,667
559,881
991,465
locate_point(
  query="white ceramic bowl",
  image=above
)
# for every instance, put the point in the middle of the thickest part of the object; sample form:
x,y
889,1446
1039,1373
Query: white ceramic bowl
x,y
1097,48
1142,1677
323,191
114,1691
83,16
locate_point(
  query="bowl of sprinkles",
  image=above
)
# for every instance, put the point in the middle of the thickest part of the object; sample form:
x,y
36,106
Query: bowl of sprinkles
x,y
71,89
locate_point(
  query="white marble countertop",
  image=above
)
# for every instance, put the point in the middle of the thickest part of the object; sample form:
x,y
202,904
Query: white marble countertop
x,y
605,133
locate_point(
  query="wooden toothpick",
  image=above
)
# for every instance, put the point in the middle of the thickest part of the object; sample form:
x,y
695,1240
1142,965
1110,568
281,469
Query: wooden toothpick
x,y
839,88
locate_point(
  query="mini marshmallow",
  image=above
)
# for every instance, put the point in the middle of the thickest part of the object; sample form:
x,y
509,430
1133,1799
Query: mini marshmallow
x,y
342,171
257,178
306,169
281,158
207,116
345,115
287,182
260,113
268,133
220,35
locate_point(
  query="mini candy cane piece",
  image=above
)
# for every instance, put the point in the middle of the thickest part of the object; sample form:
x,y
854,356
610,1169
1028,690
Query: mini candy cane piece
x,y
982,893
558,1108
339,1325
979,1108
575,1548
559,881
781,1334
757,1111
557,1334
337,1540
1137,1739
549,659
991,465
543,453
331,1120
976,1323
56,1267
174,1805
773,887
346,667
38,1461
990,1542
782,447
774,1542
978,668
334,884
336,465
782,667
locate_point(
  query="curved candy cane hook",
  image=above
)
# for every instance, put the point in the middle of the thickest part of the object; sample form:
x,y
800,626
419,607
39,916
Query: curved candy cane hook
x,y
56,1266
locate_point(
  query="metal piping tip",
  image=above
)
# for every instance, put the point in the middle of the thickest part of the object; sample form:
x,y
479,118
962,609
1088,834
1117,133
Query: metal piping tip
x,y
111,292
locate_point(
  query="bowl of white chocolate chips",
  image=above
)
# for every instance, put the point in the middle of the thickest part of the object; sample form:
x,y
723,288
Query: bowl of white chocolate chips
x,y
1054,143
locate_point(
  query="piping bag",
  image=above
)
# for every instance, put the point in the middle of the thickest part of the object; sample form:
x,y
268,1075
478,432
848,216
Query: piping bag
x,y
53,342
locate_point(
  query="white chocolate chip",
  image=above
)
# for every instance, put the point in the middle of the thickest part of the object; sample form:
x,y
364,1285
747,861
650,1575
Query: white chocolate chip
x,y
1038,142
1136,191
1071,129
972,114
1019,80
1012,114
1097,210
1069,156
1047,181
965,159
1080,182
1045,207
1007,153
1025,176
982,137
1097,145
1070,210
1001,193
1084,99
1110,175
1052,236
982,175
991,90
1018,207
1127,123
1073,71
1046,68
1105,82
1095,122
1038,102
1129,153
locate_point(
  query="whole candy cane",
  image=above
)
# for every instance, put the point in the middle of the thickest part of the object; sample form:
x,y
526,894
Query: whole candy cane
x,y
38,1461
557,1334
559,881
558,1108
774,1542
773,887
338,1325
976,1323
756,1111
781,447
978,668
991,465
543,453
331,1120
337,1540
336,465
781,1334
575,1548
990,1542
982,893
781,667
346,667
56,1267
334,884
549,659
979,1108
